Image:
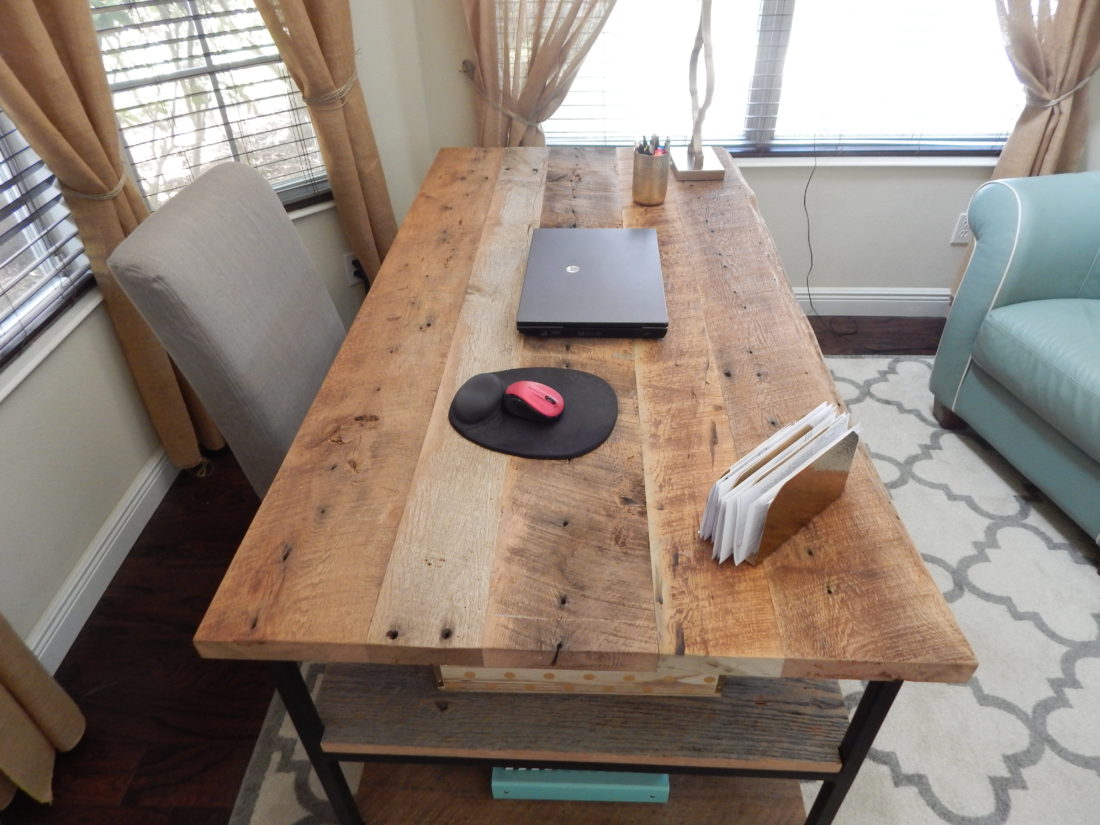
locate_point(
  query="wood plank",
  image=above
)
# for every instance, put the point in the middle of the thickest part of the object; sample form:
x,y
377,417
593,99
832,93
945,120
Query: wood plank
x,y
323,534
582,189
571,583
459,795
851,594
690,440
434,598
787,724
888,620
542,680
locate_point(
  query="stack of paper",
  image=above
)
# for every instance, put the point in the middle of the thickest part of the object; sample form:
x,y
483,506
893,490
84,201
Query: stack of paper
x,y
770,493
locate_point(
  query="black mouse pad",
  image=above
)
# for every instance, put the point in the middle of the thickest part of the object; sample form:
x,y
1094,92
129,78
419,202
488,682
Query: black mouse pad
x,y
587,418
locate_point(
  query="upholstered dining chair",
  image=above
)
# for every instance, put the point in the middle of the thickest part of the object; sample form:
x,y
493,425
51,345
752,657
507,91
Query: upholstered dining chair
x,y
222,278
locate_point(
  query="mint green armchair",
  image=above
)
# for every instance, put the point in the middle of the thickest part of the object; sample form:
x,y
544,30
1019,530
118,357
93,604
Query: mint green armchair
x,y
1019,360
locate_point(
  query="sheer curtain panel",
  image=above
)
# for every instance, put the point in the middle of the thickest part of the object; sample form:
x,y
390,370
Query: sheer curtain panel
x,y
53,87
315,41
1055,49
526,55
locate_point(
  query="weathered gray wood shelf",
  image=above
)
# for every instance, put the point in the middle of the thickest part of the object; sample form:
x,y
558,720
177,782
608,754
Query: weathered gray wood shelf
x,y
754,724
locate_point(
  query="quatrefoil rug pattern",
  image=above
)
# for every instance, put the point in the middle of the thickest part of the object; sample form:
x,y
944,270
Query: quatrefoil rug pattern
x,y
1019,744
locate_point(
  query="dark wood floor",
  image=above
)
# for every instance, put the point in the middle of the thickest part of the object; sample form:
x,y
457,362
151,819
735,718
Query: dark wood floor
x,y
169,734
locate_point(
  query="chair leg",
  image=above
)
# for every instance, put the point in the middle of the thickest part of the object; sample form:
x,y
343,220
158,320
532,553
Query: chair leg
x,y
946,418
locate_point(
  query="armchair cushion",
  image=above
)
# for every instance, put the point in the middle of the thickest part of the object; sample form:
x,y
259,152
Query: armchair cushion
x,y
1046,354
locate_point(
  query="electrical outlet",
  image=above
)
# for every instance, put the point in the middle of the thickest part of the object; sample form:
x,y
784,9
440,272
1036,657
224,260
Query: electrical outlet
x,y
961,235
350,267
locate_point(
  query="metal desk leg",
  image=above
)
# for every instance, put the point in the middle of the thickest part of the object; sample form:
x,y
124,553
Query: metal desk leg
x,y
303,713
868,718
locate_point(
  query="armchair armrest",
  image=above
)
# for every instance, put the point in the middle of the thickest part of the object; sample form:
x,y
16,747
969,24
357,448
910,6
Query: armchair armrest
x,y
1035,238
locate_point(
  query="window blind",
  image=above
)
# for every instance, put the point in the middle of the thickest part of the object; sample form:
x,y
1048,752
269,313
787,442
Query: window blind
x,y
811,75
197,82
42,262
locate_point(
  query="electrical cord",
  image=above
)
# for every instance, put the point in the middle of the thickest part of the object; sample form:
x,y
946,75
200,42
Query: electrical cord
x,y
809,237
830,321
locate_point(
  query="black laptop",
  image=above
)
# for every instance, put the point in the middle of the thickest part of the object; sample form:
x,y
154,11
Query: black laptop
x,y
593,283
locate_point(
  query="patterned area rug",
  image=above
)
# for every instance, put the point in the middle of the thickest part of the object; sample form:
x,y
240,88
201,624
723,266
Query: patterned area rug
x,y
1017,745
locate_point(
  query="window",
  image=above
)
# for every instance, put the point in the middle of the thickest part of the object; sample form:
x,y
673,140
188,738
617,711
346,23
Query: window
x,y
197,82
811,76
42,263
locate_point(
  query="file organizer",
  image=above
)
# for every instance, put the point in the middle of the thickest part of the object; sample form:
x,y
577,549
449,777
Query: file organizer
x,y
780,485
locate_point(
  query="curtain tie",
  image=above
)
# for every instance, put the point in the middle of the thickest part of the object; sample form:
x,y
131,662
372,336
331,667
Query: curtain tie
x,y
336,98
1042,103
468,70
94,196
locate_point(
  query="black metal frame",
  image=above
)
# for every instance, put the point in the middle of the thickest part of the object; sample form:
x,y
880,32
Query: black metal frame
x,y
868,718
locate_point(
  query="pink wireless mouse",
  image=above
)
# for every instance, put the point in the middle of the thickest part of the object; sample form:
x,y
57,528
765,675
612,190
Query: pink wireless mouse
x,y
533,401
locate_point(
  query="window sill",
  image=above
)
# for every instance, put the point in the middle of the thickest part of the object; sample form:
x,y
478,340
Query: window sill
x,y
46,341
927,161
298,212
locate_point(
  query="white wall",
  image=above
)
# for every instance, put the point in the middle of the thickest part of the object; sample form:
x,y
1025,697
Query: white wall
x,y
879,230
74,438
79,467
409,57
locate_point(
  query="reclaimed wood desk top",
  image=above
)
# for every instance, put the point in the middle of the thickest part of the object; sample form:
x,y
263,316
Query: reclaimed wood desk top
x,y
386,537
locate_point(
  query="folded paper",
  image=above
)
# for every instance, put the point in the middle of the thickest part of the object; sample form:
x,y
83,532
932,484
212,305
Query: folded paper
x,y
776,488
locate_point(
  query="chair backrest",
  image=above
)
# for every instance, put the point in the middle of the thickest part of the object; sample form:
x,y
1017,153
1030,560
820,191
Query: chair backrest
x,y
221,276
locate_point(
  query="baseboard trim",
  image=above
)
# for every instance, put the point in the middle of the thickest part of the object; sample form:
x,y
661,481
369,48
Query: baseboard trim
x,y
56,631
931,302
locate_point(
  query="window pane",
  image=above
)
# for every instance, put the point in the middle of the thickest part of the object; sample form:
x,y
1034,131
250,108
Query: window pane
x,y
852,70
635,79
864,68
42,265
197,82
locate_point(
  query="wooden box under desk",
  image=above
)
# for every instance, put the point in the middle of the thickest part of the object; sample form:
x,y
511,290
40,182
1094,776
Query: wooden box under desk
x,y
387,539
398,710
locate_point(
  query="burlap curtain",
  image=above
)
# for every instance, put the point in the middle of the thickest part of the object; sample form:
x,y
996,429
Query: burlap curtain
x,y
315,41
37,718
1054,52
54,88
526,56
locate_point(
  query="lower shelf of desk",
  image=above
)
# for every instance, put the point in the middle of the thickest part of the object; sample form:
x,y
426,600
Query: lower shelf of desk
x,y
792,725
459,795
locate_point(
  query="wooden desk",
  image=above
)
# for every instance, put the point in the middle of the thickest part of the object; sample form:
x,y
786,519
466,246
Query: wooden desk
x,y
388,539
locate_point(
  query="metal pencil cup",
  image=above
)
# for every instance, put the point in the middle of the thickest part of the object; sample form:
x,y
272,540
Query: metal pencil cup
x,y
650,178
